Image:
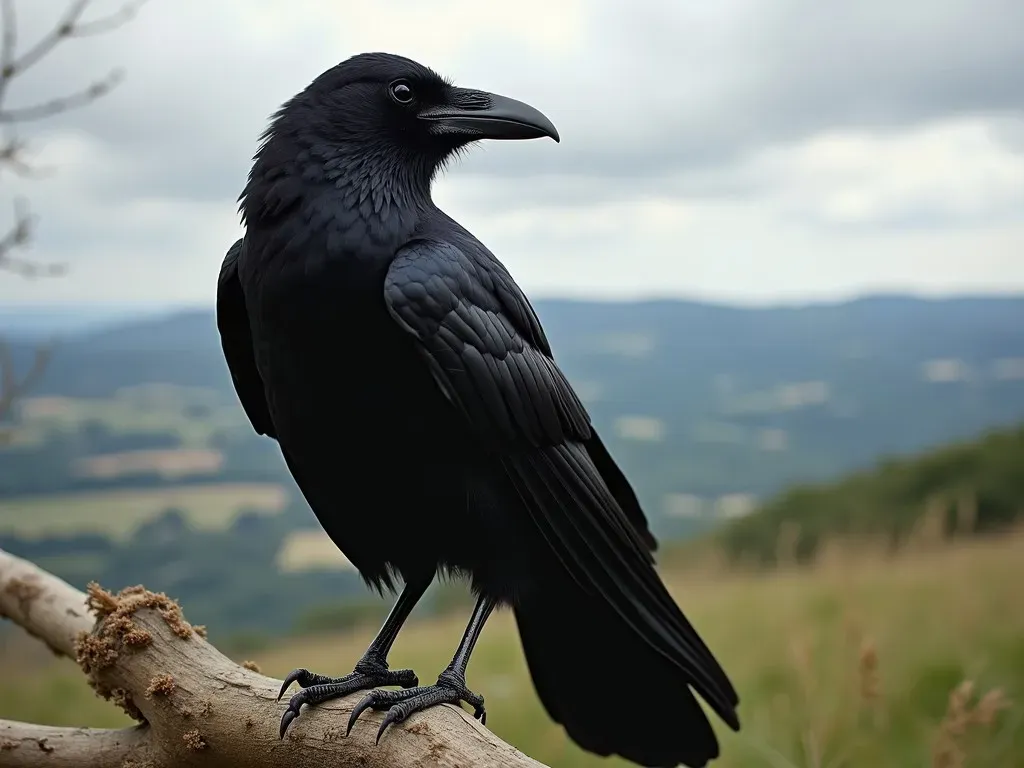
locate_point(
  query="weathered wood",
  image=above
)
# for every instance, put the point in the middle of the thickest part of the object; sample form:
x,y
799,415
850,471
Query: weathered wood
x,y
196,706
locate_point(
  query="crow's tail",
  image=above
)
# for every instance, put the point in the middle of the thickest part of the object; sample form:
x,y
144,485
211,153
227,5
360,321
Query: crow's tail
x,y
613,692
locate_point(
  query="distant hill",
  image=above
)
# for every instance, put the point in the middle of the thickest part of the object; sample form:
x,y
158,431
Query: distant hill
x,y
966,488
705,405
35,321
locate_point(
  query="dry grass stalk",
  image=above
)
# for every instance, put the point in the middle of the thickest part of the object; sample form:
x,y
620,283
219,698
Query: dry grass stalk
x,y
964,716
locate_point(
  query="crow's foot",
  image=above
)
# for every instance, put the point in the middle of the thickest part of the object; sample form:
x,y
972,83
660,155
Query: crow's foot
x,y
449,689
317,689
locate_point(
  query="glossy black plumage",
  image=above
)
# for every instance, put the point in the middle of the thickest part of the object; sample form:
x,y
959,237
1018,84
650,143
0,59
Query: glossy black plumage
x,y
417,402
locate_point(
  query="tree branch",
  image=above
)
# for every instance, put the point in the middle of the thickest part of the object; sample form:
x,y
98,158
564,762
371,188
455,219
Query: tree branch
x,y
69,25
13,385
199,708
29,746
65,103
13,64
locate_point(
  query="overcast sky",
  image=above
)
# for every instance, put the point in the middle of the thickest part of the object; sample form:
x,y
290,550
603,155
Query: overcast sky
x,y
741,150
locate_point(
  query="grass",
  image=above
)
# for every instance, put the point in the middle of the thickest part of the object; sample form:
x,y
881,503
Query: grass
x,y
863,660
310,549
118,513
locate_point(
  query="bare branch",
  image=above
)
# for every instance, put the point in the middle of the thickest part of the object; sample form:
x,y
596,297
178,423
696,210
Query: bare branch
x,y
12,152
65,103
18,64
19,234
13,385
23,745
9,45
17,237
69,25
199,707
109,23
12,149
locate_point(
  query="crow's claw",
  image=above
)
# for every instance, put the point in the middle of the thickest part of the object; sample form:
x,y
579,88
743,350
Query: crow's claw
x,y
286,720
317,689
402,704
305,679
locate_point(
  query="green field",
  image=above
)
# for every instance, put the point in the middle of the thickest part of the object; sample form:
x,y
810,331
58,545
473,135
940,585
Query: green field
x,y
118,513
192,414
846,664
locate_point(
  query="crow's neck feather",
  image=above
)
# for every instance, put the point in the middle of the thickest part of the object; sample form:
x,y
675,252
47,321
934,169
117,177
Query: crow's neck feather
x,y
369,182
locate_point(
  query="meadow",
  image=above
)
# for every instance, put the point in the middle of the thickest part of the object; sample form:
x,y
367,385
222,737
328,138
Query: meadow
x,y
859,659
117,513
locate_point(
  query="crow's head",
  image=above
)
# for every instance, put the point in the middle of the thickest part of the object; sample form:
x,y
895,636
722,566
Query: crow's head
x,y
387,101
377,125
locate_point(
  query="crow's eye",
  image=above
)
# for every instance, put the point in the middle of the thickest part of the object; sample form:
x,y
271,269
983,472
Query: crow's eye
x,y
401,91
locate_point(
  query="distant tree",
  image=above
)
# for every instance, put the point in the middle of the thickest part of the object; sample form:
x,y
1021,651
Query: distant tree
x,y
15,60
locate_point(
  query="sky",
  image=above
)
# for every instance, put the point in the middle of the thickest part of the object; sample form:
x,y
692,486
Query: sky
x,y
749,151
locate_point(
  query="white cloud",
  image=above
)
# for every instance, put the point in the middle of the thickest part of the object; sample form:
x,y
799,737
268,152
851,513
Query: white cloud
x,y
947,172
744,151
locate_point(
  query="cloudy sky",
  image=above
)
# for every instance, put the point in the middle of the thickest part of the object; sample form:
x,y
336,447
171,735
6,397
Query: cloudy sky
x,y
741,150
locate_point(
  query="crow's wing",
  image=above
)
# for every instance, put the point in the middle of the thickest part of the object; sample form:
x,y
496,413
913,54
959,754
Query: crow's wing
x,y
488,354
484,346
236,341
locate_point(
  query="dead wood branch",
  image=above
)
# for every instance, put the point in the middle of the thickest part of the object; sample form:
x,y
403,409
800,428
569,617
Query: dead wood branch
x,y
196,706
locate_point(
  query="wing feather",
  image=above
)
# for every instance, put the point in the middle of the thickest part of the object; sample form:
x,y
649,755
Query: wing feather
x,y
484,346
487,351
236,341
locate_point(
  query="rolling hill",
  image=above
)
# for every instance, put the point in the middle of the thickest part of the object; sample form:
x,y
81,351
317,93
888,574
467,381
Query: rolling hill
x,y
697,399
134,462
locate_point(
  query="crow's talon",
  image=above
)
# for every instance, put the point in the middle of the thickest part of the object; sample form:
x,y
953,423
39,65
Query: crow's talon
x,y
305,679
401,704
286,719
317,689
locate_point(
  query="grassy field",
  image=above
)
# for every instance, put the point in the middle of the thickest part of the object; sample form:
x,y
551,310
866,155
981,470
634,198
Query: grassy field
x,y
860,661
311,549
118,513
191,413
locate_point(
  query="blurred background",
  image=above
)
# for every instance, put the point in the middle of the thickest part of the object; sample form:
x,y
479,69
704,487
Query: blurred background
x,y
779,252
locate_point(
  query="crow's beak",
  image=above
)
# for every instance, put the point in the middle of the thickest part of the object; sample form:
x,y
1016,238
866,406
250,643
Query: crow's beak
x,y
483,115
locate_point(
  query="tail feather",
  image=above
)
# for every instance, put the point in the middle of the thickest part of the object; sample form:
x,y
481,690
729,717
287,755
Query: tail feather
x,y
602,622
606,687
620,488
604,556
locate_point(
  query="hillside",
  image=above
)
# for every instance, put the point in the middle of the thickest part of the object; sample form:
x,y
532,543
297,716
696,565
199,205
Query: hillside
x,y
698,399
961,489
134,462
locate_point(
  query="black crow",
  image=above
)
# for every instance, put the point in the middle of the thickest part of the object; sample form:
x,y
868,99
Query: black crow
x,y
417,403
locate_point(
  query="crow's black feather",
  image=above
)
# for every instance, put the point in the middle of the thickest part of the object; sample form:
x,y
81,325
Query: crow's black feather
x,y
420,409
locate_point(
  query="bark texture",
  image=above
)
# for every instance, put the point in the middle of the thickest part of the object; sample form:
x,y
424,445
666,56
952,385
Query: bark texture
x,y
195,706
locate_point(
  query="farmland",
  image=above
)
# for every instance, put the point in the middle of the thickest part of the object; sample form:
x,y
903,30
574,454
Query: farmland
x,y
191,414
118,513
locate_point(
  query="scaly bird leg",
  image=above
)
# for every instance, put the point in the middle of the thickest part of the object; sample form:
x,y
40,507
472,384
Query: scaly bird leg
x,y
370,671
450,687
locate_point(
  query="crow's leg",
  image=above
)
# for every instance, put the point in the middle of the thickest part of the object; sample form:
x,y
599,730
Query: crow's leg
x,y
450,687
370,671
